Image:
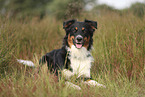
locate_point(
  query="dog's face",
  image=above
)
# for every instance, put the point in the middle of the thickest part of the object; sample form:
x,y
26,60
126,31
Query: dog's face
x,y
79,33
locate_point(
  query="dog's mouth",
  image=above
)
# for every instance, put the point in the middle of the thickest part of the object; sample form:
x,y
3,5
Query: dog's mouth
x,y
78,45
78,42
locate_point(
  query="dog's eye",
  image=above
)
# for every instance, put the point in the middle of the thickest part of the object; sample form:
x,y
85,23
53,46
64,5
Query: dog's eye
x,y
83,29
75,29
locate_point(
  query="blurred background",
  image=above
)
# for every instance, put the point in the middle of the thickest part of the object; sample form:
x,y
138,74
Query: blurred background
x,y
64,9
31,28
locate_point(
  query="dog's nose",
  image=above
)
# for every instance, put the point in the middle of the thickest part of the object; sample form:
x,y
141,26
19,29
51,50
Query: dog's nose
x,y
79,39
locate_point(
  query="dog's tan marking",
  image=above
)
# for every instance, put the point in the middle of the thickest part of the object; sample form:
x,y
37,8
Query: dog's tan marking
x,y
83,29
86,44
67,25
93,27
76,28
70,40
88,80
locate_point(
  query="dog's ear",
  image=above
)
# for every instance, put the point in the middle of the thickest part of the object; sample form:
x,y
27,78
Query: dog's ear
x,y
68,23
93,24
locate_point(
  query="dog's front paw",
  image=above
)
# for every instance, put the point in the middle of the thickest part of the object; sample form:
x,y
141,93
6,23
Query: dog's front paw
x,y
69,84
94,83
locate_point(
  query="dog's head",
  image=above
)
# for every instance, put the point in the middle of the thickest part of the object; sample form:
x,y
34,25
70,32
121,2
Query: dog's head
x,y
79,34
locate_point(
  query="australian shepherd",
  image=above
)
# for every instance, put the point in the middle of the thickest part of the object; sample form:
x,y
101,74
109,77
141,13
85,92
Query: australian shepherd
x,y
74,57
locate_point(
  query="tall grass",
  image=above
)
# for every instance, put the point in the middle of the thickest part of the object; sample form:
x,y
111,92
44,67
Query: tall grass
x,y
119,52
119,44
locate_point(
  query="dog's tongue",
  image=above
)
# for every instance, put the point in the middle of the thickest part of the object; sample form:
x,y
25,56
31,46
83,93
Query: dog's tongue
x,y
78,45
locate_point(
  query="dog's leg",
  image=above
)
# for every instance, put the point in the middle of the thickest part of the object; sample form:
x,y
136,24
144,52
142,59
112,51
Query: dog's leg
x,y
93,83
69,84
67,74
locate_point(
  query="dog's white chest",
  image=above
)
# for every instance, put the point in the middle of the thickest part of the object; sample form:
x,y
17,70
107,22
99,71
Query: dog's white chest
x,y
81,61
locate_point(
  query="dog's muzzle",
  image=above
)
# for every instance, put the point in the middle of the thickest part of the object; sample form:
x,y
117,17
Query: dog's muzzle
x,y
78,41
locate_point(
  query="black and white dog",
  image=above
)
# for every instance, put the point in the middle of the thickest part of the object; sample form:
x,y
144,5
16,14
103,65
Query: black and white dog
x,y
74,58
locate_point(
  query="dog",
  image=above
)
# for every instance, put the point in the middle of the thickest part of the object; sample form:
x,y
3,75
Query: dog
x,y
74,57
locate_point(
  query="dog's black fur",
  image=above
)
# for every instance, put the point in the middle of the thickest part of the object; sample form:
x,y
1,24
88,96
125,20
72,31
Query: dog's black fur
x,y
58,59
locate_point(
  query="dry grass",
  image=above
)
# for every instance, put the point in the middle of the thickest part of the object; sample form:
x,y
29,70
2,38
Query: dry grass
x,y
119,51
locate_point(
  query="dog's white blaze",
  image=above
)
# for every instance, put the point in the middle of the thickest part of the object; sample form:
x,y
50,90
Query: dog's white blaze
x,y
81,61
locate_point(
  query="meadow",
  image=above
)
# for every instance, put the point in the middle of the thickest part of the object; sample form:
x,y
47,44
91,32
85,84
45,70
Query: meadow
x,y
119,53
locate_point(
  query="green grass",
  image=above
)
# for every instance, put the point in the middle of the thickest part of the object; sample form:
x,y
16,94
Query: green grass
x,y
119,51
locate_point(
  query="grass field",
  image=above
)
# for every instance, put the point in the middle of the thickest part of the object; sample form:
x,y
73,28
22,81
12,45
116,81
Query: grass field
x,y
119,53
